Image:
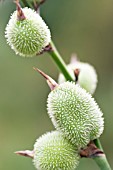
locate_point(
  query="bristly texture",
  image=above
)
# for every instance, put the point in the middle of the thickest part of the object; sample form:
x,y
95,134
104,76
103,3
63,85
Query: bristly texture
x,y
53,152
75,113
87,77
29,36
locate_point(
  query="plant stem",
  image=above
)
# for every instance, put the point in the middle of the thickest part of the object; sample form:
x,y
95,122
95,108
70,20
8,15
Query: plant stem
x,y
100,160
98,144
59,62
27,3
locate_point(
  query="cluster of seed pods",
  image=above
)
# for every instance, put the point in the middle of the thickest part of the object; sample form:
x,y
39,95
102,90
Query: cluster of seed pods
x,y
73,111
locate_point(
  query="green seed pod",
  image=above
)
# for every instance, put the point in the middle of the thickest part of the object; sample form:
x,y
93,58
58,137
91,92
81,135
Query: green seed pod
x,y
53,152
27,33
87,77
74,112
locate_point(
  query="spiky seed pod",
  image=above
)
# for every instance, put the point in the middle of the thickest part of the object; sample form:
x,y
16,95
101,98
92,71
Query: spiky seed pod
x,y
27,36
53,152
74,112
87,77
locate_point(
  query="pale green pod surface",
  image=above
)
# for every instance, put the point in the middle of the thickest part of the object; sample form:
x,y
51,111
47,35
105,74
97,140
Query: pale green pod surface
x,y
53,152
29,36
74,112
87,78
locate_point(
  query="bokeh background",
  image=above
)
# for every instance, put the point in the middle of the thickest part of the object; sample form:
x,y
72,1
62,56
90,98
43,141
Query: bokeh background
x,y
84,27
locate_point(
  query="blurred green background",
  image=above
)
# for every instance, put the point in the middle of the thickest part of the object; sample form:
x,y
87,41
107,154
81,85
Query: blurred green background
x,y
84,27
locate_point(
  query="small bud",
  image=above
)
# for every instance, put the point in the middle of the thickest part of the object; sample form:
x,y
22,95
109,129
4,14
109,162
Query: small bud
x,y
53,152
74,112
87,77
26,32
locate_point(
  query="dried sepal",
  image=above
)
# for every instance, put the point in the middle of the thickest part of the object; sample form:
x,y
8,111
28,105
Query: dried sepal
x,y
51,83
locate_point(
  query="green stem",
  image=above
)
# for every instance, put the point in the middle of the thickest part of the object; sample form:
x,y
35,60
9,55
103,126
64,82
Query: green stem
x,y
98,144
27,3
59,62
100,160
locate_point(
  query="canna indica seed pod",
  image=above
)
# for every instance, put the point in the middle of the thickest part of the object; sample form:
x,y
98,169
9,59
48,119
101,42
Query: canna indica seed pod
x,y
53,152
87,77
74,112
27,33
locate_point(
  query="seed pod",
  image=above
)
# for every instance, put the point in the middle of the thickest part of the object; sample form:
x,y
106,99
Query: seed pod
x,y
53,152
27,33
74,112
87,77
